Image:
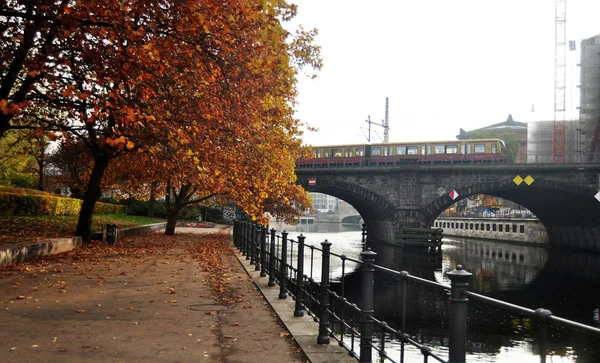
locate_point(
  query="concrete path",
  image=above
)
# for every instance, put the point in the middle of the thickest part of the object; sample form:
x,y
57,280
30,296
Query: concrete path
x,y
150,298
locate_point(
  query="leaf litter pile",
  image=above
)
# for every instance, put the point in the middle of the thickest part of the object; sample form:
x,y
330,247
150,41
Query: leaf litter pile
x,y
182,297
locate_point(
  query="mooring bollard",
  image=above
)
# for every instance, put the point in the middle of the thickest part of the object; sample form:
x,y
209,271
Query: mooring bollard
x,y
299,311
459,282
272,259
324,318
366,312
283,266
263,251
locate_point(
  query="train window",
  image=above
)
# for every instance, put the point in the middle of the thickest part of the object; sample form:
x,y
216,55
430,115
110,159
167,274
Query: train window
x,y
469,148
412,150
479,148
400,150
317,153
428,149
438,149
359,151
451,149
462,148
326,153
385,151
376,151
336,152
494,148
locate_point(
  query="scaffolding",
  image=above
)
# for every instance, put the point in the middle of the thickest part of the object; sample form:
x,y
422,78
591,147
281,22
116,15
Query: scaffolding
x,y
589,118
540,142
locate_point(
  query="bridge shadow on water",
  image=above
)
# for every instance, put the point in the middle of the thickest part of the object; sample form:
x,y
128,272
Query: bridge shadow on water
x,y
567,283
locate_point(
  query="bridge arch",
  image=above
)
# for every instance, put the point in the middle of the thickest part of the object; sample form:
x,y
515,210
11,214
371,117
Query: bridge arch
x,y
569,212
376,212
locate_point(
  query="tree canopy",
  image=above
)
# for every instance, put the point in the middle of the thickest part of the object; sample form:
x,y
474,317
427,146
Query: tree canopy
x,y
181,94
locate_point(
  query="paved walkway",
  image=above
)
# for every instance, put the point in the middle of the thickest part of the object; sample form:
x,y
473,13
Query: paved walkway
x,y
151,298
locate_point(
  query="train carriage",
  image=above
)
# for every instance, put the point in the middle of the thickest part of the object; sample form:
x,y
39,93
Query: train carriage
x,y
433,152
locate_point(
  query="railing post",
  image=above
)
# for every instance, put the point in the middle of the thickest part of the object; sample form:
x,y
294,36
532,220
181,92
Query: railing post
x,y
542,316
257,261
251,243
272,259
235,225
459,282
263,251
364,236
242,240
366,324
283,266
298,312
248,241
324,317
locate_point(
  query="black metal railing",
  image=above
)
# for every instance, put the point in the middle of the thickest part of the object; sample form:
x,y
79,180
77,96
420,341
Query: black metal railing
x,y
358,329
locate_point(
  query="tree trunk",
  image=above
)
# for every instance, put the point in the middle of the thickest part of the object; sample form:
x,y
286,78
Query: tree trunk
x,y
41,173
175,201
171,221
91,195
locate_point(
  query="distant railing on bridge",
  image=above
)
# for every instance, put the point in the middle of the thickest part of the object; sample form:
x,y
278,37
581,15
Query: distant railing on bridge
x,y
429,160
357,328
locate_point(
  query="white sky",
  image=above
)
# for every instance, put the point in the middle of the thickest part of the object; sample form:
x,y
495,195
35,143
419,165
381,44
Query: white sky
x,y
443,64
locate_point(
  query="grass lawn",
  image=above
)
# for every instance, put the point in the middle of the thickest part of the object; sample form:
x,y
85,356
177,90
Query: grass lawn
x,y
19,229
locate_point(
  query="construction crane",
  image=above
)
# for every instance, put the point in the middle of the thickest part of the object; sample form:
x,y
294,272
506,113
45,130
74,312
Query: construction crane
x,y
560,60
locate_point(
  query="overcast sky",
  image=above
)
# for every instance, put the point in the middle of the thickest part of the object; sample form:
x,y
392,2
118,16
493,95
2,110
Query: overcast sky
x,y
444,65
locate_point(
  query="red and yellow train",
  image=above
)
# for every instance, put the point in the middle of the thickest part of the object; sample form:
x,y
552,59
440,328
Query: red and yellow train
x,y
392,153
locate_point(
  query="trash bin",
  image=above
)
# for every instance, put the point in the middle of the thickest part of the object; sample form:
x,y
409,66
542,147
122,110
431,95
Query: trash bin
x,y
111,234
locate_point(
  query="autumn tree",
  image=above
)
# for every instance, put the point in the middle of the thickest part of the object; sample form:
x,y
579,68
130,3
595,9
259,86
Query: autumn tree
x,y
239,139
24,158
133,76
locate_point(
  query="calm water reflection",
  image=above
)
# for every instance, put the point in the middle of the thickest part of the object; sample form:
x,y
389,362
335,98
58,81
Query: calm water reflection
x,y
567,283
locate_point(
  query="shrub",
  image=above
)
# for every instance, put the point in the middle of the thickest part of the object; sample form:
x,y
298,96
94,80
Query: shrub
x,y
48,204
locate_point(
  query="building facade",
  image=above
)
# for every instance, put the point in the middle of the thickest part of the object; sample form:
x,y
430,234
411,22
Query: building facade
x,y
590,97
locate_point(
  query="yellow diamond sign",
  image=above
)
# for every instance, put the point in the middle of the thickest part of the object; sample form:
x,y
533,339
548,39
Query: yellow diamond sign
x,y
518,180
529,180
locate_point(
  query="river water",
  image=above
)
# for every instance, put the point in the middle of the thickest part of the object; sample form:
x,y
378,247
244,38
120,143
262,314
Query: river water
x,y
567,283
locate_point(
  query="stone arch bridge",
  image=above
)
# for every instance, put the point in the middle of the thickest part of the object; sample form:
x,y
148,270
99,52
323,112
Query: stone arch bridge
x,y
562,196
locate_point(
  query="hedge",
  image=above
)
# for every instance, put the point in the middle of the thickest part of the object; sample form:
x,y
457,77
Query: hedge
x,y
44,204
